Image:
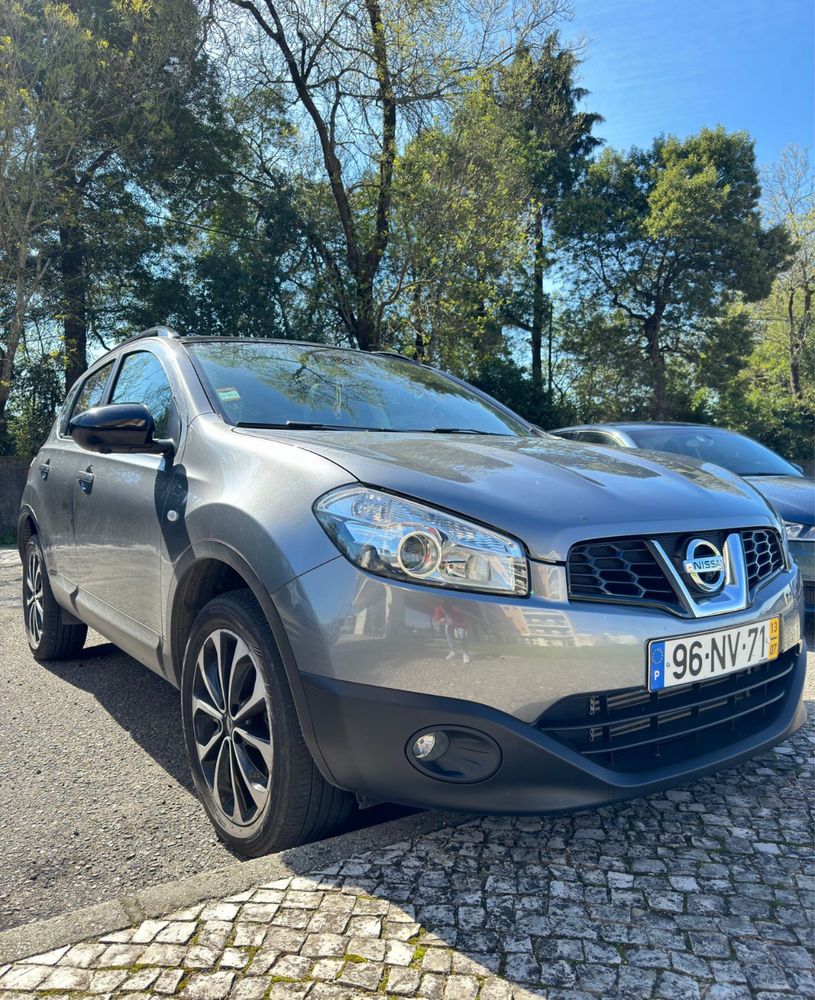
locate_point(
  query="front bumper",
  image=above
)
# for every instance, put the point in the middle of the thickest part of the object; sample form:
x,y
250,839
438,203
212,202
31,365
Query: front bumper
x,y
378,667
365,734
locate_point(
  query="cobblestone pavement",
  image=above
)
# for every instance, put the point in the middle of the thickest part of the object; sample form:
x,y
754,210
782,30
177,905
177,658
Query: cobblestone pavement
x,y
704,891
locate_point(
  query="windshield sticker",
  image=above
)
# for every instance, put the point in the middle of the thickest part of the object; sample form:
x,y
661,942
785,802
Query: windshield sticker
x,y
229,395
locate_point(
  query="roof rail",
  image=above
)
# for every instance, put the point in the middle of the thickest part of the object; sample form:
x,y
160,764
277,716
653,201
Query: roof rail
x,y
155,331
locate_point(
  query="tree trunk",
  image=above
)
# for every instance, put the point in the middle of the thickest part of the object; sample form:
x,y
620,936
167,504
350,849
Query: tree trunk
x,y
15,335
536,332
367,329
550,344
74,298
798,337
656,365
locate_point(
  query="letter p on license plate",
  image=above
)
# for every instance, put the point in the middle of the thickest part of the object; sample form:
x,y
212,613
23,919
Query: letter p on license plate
x,y
691,658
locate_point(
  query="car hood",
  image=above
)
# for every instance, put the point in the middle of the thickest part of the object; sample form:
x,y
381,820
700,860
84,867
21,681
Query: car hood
x,y
792,496
547,492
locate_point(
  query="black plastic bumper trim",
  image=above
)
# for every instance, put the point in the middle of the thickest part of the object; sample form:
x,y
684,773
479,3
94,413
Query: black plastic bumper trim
x,y
362,730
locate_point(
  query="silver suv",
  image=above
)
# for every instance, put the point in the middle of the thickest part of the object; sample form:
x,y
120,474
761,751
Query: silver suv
x,y
370,579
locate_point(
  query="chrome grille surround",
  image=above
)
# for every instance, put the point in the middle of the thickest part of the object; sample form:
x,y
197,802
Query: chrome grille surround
x,y
647,571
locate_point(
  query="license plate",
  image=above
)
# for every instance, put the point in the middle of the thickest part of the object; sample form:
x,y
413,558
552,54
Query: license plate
x,y
692,658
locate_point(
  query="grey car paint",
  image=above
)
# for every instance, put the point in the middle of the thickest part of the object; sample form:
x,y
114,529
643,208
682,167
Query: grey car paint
x,y
354,627
245,497
251,491
547,493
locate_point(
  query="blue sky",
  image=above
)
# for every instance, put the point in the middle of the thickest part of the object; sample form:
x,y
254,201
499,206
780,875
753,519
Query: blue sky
x,y
676,65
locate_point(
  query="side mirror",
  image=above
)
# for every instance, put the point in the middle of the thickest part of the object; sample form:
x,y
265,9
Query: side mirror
x,y
119,427
797,467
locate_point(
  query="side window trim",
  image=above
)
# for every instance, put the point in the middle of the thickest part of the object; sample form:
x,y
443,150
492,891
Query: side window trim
x,y
76,392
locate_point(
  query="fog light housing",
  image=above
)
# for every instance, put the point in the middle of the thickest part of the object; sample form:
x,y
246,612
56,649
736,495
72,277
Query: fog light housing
x,y
454,753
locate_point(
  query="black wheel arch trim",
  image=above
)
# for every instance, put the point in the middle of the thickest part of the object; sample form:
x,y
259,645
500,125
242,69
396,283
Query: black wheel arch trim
x,y
26,514
173,657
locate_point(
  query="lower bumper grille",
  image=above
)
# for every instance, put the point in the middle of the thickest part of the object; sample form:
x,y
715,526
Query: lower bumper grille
x,y
635,730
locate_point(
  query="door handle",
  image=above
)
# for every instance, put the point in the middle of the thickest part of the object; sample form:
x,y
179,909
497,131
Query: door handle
x,y
45,468
85,479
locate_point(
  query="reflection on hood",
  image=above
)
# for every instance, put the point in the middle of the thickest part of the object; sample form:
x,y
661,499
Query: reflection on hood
x,y
547,492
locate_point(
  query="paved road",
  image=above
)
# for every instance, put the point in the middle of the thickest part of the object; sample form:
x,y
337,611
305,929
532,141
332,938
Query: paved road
x,y
701,893
95,795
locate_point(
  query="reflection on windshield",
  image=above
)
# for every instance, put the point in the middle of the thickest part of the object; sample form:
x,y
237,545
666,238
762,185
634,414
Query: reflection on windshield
x,y
739,454
300,387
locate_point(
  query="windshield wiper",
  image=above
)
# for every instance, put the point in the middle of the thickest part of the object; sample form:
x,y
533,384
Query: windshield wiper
x,y
306,425
459,430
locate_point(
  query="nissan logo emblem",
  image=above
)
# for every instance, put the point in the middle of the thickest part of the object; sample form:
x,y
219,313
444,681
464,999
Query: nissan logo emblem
x,y
704,565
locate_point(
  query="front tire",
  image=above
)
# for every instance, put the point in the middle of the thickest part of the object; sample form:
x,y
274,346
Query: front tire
x,y
48,637
252,770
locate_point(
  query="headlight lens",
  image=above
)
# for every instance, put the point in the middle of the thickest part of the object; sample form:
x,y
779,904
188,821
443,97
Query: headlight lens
x,y
796,531
409,541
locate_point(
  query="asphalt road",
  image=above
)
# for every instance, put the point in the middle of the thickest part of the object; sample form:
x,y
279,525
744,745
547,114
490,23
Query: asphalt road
x,y
96,799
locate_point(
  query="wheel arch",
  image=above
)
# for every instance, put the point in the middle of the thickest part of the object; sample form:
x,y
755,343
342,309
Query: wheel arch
x,y
26,527
216,568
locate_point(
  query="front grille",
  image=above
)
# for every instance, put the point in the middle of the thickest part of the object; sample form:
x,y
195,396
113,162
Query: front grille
x,y
618,569
636,730
625,570
762,553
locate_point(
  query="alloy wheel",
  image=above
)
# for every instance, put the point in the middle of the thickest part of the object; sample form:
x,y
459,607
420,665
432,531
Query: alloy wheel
x,y
231,724
33,597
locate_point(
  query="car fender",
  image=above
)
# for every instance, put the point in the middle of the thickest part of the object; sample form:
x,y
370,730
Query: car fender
x,y
211,548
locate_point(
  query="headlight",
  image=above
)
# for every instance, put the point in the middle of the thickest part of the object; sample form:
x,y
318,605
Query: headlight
x,y
406,540
798,532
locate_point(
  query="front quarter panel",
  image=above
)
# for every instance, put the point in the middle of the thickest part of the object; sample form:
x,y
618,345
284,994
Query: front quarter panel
x,y
252,495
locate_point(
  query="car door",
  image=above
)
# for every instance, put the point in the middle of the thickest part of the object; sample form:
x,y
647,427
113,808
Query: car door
x,y
118,510
56,467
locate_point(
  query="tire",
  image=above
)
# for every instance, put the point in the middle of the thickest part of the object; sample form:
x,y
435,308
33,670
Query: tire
x,y
48,637
252,770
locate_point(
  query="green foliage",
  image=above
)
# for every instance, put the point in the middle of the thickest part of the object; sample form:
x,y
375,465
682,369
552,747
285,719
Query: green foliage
x,y
457,230
420,182
35,398
668,236
506,381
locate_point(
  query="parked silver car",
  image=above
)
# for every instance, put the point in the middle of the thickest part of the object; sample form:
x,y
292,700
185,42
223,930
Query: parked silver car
x,y
779,481
370,579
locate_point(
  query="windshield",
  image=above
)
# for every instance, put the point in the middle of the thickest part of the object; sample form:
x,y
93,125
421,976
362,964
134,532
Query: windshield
x,y
739,454
297,387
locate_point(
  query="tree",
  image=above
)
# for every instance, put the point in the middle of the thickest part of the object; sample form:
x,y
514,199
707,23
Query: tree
x,y
363,74
790,199
540,95
27,200
668,236
118,114
458,227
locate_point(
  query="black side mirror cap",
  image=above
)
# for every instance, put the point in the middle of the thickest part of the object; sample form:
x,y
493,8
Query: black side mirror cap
x,y
118,427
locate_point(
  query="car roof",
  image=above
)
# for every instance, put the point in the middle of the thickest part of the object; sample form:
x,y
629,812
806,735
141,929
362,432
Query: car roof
x,y
168,333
